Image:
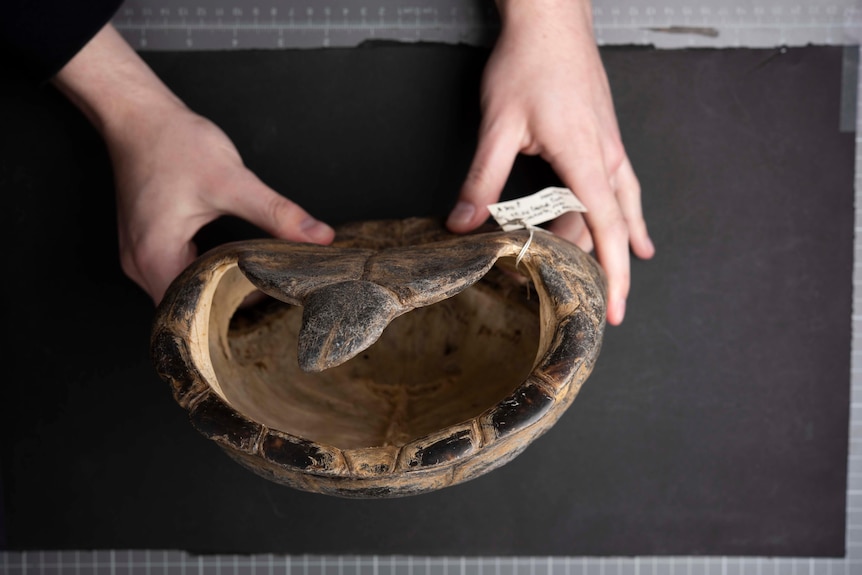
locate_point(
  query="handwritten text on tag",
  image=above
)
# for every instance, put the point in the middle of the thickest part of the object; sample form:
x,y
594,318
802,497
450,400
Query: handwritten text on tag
x,y
535,209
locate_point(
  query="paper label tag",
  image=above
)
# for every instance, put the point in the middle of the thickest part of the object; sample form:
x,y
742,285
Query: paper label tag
x,y
535,209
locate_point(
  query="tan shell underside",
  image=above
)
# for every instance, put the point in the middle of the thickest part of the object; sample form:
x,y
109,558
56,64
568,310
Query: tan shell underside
x,y
473,361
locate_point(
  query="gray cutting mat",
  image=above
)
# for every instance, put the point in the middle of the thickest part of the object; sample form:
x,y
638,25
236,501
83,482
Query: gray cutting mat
x,y
173,562
231,24
214,24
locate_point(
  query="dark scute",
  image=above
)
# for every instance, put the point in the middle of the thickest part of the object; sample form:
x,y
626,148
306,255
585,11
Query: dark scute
x,y
169,359
217,421
182,295
576,339
449,449
297,453
526,406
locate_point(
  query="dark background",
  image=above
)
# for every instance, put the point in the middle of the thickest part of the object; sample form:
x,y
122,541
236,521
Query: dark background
x,y
715,422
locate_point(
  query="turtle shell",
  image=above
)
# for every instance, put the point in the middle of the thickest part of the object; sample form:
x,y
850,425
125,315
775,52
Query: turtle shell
x,y
399,360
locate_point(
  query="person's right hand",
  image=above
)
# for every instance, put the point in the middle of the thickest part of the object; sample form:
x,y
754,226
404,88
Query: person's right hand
x,y
175,171
178,173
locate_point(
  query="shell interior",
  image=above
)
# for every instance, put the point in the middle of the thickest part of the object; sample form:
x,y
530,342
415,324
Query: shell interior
x,y
432,368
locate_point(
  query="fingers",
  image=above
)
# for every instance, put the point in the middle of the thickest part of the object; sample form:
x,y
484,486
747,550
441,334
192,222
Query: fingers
x,y
573,227
585,174
614,219
498,146
155,250
260,205
628,191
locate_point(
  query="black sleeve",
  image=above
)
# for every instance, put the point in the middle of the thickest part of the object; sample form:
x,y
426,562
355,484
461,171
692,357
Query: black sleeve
x,y
40,36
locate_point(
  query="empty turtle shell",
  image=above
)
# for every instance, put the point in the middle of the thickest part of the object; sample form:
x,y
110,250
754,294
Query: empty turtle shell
x,y
399,360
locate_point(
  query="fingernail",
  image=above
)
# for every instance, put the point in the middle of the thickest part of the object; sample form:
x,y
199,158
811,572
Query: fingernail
x,y
316,230
461,215
621,310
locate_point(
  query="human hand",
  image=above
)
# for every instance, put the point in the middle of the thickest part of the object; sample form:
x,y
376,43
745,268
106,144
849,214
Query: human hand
x,y
176,174
545,92
174,170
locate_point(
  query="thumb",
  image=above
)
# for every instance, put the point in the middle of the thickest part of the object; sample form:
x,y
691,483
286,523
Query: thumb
x,y
260,205
492,163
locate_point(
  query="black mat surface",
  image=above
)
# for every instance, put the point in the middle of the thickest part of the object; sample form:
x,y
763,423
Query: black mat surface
x,y
716,420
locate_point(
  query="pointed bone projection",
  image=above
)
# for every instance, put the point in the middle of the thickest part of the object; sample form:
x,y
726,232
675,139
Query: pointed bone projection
x,y
350,296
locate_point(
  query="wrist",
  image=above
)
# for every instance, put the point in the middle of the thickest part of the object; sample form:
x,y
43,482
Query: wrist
x,y
515,8
113,87
525,13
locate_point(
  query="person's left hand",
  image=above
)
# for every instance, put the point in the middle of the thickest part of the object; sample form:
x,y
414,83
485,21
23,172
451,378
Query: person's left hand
x,y
545,93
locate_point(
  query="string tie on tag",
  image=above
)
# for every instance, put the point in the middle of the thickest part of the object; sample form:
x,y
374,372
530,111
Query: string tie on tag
x,y
529,227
